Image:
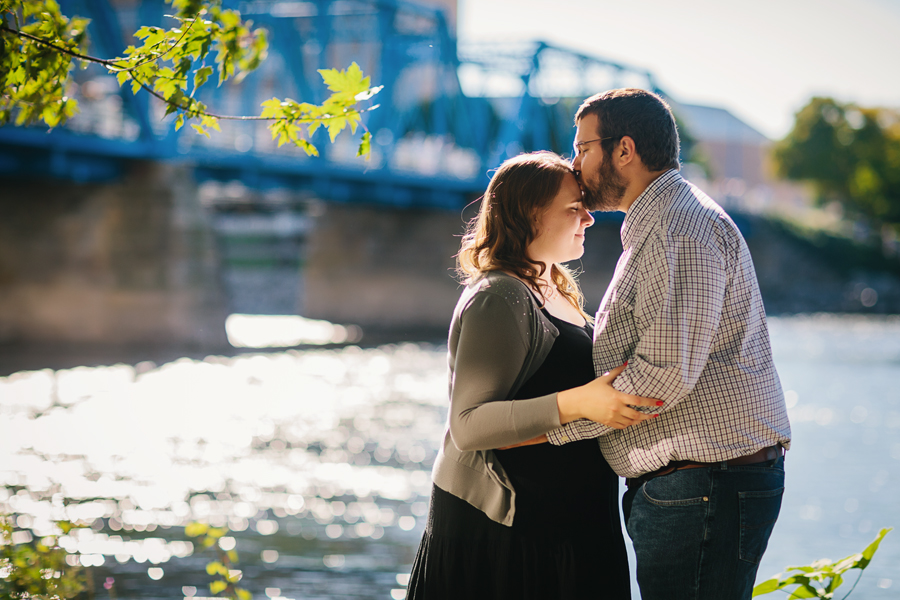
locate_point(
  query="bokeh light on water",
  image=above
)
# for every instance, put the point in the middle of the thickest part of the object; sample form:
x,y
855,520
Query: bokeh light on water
x,y
286,331
318,461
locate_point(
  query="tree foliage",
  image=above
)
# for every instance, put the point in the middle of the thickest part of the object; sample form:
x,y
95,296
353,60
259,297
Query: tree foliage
x,y
36,568
40,47
850,153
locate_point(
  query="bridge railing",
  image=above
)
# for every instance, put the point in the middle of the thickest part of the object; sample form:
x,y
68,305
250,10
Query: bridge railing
x,y
447,115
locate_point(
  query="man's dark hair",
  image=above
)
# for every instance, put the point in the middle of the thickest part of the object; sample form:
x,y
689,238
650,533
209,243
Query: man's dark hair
x,y
641,115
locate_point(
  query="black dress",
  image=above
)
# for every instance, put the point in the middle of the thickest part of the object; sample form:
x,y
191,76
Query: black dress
x,y
566,539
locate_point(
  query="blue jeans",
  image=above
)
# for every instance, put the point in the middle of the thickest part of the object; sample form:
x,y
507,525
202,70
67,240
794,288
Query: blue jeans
x,y
699,534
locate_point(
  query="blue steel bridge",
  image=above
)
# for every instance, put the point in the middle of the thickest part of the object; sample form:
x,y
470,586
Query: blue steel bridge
x,y
448,112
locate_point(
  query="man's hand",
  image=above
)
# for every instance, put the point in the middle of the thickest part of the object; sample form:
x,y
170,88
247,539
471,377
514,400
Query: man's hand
x,y
541,439
599,401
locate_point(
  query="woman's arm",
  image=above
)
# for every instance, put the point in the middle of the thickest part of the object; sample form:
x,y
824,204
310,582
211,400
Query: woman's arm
x,y
485,363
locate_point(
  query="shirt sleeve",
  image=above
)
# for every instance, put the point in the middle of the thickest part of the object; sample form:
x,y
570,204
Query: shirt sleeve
x,y
580,429
679,303
678,306
490,353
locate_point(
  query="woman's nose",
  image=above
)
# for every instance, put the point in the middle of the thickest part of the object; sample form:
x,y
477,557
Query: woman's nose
x,y
588,217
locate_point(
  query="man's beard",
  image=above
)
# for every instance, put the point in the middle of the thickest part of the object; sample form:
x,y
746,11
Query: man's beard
x,y
609,189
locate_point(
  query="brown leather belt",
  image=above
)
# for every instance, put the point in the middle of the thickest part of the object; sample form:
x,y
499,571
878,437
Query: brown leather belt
x,y
770,453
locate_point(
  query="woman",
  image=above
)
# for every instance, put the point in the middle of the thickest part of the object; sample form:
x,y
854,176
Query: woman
x,y
511,517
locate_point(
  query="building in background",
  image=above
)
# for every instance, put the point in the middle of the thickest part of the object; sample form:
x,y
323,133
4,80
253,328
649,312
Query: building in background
x,y
735,166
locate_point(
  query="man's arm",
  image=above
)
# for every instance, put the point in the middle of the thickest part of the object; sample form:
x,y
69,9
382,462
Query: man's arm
x,y
678,305
681,298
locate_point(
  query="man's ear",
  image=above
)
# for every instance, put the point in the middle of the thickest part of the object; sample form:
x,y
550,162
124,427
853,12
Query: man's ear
x,y
625,152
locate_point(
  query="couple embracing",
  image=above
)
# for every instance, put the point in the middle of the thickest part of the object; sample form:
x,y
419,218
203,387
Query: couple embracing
x,y
671,386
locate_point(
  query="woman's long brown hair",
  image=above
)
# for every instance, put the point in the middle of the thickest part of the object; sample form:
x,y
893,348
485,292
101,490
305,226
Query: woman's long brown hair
x,y
497,239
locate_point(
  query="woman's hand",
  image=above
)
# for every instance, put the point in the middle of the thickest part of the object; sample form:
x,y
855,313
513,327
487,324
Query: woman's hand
x,y
599,401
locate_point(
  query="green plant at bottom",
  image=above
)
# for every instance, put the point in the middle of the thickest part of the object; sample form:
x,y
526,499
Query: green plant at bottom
x,y
224,566
37,568
821,578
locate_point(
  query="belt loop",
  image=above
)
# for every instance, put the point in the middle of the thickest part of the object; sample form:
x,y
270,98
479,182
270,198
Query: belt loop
x,y
723,465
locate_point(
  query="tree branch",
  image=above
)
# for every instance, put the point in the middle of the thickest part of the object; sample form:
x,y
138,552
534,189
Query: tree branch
x,y
72,53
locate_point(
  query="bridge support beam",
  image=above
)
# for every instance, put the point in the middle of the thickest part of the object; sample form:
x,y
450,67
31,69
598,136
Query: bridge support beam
x,y
125,264
383,269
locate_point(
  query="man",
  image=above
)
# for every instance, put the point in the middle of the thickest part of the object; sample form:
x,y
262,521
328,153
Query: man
x,y
705,478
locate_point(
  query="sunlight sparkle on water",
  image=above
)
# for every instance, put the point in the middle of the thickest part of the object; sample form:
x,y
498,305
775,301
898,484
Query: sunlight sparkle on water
x,y
240,442
329,451
285,331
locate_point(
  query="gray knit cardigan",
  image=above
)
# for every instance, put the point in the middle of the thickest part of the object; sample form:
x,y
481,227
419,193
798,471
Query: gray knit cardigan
x,y
498,339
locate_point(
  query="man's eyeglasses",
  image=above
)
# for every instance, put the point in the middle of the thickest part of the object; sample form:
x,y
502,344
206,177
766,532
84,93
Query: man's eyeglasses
x,y
579,144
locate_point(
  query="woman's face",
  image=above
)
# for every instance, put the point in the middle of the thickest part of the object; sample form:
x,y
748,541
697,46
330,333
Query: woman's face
x,y
560,228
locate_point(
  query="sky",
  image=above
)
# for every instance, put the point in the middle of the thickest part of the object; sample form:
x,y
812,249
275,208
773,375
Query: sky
x,y
761,59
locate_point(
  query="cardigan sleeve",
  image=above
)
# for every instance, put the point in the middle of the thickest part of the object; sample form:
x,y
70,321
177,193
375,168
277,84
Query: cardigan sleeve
x,y
491,350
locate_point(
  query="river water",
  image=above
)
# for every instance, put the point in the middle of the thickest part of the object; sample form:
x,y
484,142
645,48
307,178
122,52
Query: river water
x,y
318,461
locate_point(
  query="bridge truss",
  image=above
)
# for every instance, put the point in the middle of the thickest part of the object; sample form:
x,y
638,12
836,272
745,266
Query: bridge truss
x,y
448,114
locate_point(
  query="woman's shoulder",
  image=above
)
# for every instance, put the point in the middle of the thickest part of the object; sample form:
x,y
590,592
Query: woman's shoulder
x,y
497,286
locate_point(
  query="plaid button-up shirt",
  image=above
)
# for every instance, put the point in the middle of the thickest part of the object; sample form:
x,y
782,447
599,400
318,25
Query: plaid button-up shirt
x,y
684,310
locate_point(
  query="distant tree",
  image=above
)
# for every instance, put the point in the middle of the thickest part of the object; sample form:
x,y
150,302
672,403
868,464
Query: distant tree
x,y
851,154
39,47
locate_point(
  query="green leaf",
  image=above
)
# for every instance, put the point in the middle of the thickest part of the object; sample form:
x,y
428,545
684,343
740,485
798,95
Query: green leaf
x,y
213,123
143,32
179,121
307,147
805,591
271,108
216,567
850,562
365,146
194,529
65,526
834,584
769,585
51,116
335,126
243,594
217,586
870,550
349,81
201,75
17,77
70,107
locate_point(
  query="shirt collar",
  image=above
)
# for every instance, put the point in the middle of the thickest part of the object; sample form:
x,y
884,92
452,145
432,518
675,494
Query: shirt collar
x,y
641,212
